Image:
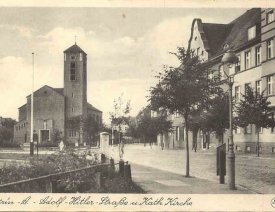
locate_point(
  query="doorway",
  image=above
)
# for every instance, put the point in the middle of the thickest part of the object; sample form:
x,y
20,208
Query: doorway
x,y
44,136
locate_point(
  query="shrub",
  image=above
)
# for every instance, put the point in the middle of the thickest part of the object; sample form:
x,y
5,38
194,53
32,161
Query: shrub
x,y
81,181
48,144
7,144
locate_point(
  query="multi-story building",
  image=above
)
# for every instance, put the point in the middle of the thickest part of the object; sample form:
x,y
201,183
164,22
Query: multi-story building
x,y
251,36
53,107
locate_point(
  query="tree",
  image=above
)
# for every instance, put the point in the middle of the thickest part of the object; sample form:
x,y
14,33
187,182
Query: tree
x,y
119,117
92,127
255,109
216,117
184,89
6,135
57,136
132,130
6,130
148,127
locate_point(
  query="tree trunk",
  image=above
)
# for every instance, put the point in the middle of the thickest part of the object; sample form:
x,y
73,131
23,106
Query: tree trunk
x,y
195,138
258,142
187,146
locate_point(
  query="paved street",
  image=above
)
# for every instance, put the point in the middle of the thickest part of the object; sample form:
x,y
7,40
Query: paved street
x,y
256,174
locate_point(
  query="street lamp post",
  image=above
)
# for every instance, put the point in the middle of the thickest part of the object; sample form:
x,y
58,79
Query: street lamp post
x,y
230,58
231,154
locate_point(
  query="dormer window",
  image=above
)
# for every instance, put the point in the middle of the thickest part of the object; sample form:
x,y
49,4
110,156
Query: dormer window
x,y
225,46
251,32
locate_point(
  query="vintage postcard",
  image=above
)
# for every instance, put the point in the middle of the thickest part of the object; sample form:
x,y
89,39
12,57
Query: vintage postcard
x,y
137,106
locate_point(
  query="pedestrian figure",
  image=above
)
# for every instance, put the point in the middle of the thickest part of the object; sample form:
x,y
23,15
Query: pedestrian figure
x,y
61,145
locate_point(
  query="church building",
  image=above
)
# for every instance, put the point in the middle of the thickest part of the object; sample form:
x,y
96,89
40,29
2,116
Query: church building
x,y
54,107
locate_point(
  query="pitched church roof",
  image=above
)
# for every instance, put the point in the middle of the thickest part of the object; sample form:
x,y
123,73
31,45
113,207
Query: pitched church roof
x,y
234,34
58,90
91,107
75,49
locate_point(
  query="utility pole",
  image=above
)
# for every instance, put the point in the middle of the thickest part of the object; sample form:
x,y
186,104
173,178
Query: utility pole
x,y
31,133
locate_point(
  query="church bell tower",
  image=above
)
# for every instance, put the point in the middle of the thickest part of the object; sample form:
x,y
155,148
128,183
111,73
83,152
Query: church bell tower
x,y
75,81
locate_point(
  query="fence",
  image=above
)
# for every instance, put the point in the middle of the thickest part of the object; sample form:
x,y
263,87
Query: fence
x,y
91,177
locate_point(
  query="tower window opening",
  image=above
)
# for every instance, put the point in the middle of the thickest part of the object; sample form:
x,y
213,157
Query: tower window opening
x,y
73,71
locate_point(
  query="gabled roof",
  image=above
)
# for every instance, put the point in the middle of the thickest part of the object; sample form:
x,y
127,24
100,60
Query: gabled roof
x,y
238,34
234,34
24,105
215,35
91,107
58,90
74,49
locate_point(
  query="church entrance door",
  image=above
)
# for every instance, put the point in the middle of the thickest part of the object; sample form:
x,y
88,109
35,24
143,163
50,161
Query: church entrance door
x,y
44,135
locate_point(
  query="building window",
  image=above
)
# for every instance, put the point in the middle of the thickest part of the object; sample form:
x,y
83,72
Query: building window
x,y
221,70
45,124
247,60
270,16
260,149
269,49
72,109
260,130
73,71
177,133
273,149
72,94
258,87
238,64
269,85
246,86
72,133
252,32
247,148
258,56
198,50
238,148
238,130
248,129
80,56
237,93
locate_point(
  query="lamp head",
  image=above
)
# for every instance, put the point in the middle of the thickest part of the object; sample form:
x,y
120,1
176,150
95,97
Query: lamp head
x,y
229,58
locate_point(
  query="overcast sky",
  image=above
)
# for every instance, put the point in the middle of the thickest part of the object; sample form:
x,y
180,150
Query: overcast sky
x,y
125,48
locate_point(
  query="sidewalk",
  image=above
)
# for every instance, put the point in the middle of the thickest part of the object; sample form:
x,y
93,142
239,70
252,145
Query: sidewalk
x,y
153,180
252,173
